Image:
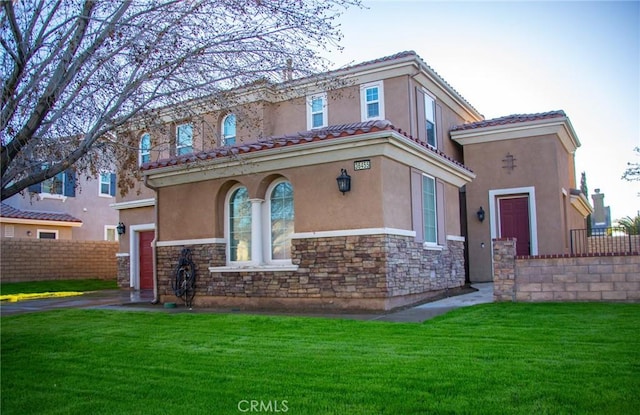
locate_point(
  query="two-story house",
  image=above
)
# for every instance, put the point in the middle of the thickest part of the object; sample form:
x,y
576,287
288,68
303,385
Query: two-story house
x,y
347,193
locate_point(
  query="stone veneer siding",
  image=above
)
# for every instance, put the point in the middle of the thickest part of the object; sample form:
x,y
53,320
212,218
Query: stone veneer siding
x,y
345,272
124,271
564,277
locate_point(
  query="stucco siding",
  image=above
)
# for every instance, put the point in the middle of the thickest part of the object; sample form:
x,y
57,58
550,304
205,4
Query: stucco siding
x,y
538,163
132,217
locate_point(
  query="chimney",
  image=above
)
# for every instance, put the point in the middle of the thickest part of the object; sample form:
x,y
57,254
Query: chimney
x,y
288,72
599,216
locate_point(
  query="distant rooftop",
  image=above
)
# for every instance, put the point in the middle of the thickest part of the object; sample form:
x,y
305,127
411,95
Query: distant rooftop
x,y
11,212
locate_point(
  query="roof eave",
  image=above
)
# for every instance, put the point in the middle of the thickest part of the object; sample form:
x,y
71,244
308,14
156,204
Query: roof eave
x,y
387,143
42,222
561,126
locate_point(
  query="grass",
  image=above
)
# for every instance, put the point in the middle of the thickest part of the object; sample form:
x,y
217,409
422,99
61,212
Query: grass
x,y
55,286
494,358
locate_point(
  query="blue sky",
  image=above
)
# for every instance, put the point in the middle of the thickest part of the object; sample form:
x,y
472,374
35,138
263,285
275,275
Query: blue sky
x,y
527,57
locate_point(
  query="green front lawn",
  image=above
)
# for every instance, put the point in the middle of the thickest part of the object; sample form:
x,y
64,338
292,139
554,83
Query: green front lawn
x,y
57,285
488,359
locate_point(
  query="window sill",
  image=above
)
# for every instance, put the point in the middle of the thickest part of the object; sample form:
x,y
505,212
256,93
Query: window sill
x,y
254,268
42,196
432,247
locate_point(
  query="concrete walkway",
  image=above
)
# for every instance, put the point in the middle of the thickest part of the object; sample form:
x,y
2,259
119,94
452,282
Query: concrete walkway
x,y
141,301
422,312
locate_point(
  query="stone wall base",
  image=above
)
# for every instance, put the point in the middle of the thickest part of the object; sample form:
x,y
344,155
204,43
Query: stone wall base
x,y
124,277
366,272
307,304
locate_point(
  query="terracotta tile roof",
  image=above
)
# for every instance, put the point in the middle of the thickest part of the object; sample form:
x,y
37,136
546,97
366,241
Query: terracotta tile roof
x,y
399,55
510,119
334,132
11,212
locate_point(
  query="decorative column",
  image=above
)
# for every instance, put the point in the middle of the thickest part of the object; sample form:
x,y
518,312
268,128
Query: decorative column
x,y
256,231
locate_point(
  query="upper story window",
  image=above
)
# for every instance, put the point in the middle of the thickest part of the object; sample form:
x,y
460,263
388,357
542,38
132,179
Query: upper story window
x,y
239,226
54,185
145,148
184,139
430,119
372,101
107,184
62,184
317,111
229,130
429,214
281,218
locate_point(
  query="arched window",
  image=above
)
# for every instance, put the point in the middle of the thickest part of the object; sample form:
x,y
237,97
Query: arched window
x,y
145,148
281,220
239,226
229,130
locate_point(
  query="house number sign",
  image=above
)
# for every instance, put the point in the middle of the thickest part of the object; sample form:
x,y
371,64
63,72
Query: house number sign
x,y
362,165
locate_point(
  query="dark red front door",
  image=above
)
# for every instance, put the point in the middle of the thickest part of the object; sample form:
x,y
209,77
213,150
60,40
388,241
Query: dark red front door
x,y
146,260
514,222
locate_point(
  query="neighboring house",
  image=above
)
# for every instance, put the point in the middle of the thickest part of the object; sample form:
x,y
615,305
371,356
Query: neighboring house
x,y
253,191
63,207
525,186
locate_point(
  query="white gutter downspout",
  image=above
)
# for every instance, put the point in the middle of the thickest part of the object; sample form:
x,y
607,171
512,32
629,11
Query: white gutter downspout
x,y
154,255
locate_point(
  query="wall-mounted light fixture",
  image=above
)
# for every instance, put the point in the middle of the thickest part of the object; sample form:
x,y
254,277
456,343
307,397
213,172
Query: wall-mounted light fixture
x,y
121,229
480,214
344,181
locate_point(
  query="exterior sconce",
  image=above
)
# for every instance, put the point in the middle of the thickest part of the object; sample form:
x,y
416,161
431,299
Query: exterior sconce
x,y
121,228
344,181
480,214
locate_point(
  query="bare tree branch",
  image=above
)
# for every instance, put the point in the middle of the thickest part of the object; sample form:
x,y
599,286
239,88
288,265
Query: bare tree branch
x,y
75,70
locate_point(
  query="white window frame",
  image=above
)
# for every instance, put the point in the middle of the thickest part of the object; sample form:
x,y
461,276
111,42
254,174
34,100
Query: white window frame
x,y
113,228
63,181
266,229
144,152
435,211
363,101
180,147
53,231
430,116
225,136
100,183
310,113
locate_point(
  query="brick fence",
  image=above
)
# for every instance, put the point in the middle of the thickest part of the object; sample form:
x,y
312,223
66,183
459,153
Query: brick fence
x,y
47,259
611,277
